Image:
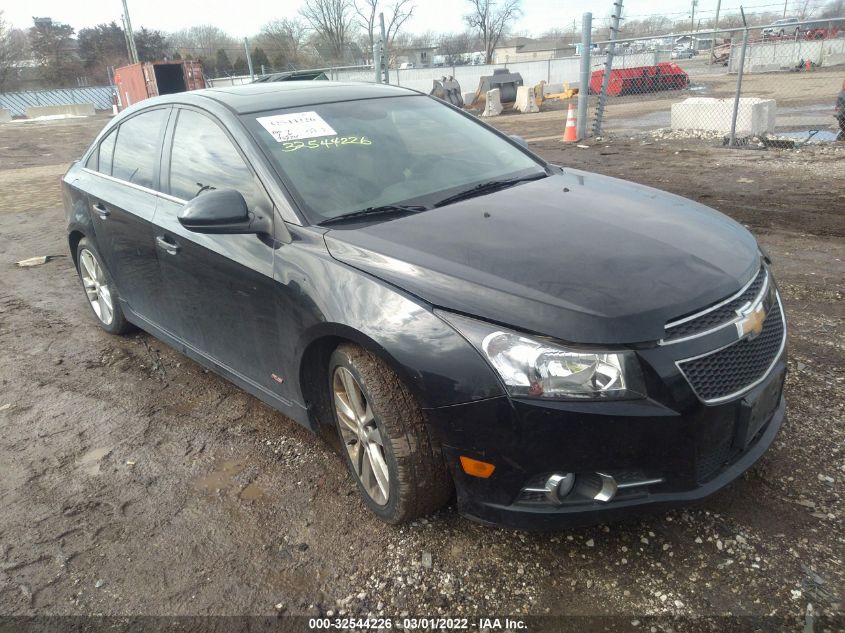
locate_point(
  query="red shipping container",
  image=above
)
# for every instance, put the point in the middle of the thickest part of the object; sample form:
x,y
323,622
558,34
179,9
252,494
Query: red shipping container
x,y
150,79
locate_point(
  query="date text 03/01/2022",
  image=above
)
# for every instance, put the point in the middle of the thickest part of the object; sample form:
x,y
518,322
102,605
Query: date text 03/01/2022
x,y
414,624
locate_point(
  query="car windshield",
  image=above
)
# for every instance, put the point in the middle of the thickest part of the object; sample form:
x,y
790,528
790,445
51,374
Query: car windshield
x,y
339,158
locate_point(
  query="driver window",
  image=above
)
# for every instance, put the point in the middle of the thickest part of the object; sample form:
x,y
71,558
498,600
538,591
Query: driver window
x,y
203,158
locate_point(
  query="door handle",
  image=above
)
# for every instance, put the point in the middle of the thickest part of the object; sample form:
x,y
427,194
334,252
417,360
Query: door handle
x,y
167,245
101,210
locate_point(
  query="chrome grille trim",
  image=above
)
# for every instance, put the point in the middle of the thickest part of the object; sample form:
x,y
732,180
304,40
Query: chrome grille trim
x,y
762,293
750,386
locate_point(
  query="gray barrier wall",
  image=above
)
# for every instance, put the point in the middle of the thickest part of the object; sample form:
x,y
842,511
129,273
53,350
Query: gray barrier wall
x,y
777,55
18,102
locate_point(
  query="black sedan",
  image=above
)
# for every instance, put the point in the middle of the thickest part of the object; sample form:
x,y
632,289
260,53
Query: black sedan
x,y
550,345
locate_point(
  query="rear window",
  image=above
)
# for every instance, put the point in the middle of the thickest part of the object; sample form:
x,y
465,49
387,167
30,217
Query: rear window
x,y
106,153
138,148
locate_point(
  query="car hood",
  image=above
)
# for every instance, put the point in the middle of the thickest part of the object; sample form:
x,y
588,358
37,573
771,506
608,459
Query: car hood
x,y
578,256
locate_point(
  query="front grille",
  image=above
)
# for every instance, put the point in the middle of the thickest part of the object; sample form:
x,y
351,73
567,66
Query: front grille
x,y
738,366
718,316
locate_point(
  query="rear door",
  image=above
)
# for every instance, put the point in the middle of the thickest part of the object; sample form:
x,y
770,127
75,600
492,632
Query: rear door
x,y
121,189
219,289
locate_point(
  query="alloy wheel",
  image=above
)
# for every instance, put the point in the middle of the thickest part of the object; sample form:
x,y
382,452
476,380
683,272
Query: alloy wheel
x,y
361,435
96,286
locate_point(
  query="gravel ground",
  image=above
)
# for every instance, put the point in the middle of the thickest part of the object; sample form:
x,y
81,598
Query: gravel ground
x,y
137,483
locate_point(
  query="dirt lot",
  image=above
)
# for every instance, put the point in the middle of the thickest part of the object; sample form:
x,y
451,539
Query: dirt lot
x,y
135,482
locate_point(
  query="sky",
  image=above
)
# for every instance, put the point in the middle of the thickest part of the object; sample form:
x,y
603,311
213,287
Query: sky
x,y
245,17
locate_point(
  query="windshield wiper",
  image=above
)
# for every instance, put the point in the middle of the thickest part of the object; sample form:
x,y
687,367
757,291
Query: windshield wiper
x,y
385,209
488,187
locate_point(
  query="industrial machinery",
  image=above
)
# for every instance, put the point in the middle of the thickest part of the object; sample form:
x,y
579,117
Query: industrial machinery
x,y
449,90
503,79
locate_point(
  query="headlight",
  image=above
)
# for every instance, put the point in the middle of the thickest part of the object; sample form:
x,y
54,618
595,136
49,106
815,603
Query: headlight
x,y
537,368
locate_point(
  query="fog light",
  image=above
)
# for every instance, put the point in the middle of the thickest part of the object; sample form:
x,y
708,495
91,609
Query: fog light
x,y
597,486
558,486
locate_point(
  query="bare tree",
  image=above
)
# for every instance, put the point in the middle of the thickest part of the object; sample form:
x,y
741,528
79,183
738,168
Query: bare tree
x,y
492,21
395,17
285,40
203,40
332,20
834,9
805,9
13,49
455,46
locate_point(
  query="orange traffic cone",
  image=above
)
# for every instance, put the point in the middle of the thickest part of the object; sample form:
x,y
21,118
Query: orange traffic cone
x,y
570,135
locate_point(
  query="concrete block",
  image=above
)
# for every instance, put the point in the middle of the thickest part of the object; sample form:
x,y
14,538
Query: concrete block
x,y
755,116
525,101
834,59
5,115
493,105
76,109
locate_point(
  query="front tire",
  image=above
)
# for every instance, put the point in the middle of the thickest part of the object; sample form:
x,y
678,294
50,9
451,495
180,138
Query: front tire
x,y
100,289
398,466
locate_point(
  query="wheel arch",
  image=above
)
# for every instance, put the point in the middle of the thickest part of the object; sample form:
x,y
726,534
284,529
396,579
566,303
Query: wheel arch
x,y
314,363
74,237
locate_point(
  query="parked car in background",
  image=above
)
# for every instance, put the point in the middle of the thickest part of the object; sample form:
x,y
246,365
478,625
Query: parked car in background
x,y
840,112
406,65
781,28
292,75
554,346
683,52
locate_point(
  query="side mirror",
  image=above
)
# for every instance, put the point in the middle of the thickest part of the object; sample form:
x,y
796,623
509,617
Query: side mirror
x,y
222,211
520,140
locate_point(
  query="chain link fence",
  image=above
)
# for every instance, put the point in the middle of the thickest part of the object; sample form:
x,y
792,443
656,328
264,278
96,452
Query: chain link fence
x,y
552,71
776,84
771,85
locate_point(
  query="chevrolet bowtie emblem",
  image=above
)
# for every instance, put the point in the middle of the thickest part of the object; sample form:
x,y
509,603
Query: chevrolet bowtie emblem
x,y
751,321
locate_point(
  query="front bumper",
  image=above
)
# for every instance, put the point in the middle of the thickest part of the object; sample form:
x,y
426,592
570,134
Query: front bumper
x,y
694,451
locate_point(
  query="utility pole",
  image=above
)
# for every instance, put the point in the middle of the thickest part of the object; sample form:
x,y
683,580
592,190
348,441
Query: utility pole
x,y
249,59
785,4
692,17
713,35
126,38
608,66
739,74
130,36
385,62
377,60
584,81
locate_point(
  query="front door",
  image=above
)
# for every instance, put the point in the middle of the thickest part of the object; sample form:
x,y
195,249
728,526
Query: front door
x,y
220,292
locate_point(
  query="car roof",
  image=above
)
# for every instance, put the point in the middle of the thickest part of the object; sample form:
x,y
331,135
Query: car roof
x,y
261,97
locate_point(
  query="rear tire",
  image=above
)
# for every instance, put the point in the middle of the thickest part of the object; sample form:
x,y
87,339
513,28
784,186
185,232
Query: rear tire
x,y
397,464
100,289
